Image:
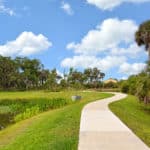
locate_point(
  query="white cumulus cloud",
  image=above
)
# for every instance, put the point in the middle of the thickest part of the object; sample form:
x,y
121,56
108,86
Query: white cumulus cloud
x,y
110,46
110,4
107,35
27,43
83,61
131,69
67,8
132,51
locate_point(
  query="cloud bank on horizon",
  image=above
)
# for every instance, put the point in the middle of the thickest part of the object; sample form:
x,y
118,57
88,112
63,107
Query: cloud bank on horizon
x,y
110,4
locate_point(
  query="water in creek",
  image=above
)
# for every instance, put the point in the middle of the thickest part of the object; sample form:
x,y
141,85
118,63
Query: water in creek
x,y
5,120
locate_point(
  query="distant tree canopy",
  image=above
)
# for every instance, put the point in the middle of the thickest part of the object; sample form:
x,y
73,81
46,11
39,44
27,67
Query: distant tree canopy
x,y
24,74
91,78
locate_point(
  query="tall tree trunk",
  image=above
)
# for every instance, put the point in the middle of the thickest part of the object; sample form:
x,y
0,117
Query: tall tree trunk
x,y
146,100
149,52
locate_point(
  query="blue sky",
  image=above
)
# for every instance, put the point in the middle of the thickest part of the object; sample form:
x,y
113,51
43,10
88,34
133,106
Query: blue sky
x,y
75,33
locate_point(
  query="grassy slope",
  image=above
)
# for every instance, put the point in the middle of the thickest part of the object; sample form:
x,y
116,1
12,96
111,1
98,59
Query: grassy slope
x,y
53,130
135,115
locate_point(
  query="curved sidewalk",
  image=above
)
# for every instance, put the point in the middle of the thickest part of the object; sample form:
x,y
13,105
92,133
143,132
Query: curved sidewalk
x,y
100,129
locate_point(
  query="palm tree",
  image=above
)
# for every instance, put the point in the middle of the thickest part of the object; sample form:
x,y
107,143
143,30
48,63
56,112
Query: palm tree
x,y
102,75
142,36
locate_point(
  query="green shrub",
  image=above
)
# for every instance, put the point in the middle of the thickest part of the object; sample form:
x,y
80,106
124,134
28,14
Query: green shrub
x,y
125,87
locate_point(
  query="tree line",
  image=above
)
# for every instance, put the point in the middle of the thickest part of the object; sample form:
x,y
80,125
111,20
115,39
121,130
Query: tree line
x,y
25,74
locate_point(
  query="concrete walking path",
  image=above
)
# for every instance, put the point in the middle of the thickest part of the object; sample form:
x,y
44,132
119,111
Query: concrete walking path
x,y
100,129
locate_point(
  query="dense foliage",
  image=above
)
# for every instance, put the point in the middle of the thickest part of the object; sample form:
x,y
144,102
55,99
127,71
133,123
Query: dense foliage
x,y
25,74
21,73
138,85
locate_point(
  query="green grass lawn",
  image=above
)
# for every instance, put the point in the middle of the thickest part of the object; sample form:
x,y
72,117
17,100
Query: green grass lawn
x,y
36,94
53,130
135,115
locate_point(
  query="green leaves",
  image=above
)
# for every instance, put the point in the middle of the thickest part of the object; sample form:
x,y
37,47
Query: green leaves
x,y
142,36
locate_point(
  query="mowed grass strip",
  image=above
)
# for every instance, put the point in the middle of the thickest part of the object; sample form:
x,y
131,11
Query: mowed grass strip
x,y
135,115
53,130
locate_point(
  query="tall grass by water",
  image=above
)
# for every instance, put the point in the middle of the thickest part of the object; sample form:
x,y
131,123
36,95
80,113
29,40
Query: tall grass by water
x,y
17,106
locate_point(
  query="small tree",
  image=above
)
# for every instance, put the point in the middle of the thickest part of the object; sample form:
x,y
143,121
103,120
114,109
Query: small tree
x,y
51,83
125,87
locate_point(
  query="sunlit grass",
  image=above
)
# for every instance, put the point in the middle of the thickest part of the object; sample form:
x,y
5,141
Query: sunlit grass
x,y
135,115
53,130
